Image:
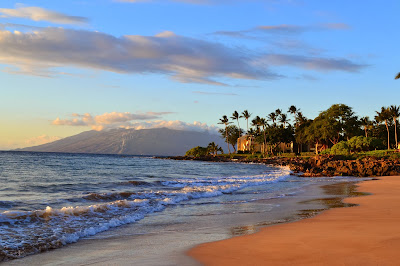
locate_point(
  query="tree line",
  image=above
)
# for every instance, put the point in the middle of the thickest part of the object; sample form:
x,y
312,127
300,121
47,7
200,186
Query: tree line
x,y
338,123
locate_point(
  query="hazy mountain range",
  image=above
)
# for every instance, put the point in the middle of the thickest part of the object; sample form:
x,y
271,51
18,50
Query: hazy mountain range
x,y
156,141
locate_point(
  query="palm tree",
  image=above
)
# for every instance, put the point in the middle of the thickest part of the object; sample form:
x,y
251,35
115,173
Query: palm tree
x,y
256,123
225,121
278,112
366,124
272,116
263,123
246,115
213,148
398,76
283,119
293,110
235,116
383,116
395,114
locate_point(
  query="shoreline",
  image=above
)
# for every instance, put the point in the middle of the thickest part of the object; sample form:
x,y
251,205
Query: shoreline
x,y
366,234
315,166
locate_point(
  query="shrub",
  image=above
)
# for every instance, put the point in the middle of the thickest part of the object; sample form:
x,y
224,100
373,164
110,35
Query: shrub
x,y
361,143
341,148
197,152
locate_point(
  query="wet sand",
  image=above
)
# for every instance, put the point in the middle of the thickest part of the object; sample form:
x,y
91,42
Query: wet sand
x,y
367,234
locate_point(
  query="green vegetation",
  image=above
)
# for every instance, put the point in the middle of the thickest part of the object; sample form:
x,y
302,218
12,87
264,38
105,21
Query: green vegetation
x,y
337,130
211,149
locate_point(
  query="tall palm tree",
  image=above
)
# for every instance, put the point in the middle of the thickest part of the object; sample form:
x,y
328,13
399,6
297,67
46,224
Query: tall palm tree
x,y
263,124
366,124
383,116
235,116
398,76
246,115
278,112
225,121
395,114
293,110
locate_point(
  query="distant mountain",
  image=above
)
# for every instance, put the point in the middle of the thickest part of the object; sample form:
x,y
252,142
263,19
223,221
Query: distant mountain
x,y
155,141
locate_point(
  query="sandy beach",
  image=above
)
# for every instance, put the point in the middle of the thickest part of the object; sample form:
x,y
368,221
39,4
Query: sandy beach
x,y
367,234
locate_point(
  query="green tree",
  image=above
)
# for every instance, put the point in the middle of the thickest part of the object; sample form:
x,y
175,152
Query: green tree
x,y
232,134
395,114
246,115
214,149
384,116
333,125
225,121
366,124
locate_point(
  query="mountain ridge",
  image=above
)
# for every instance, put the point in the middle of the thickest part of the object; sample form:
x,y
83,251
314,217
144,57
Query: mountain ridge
x,y
155,141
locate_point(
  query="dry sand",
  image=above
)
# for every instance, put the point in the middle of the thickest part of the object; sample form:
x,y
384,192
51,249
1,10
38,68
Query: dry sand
x,y
368,234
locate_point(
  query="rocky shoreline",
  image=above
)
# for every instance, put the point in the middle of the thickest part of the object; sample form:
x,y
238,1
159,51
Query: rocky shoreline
x,y
317,166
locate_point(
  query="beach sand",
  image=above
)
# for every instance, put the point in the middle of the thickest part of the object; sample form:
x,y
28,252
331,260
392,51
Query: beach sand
x,y
368,234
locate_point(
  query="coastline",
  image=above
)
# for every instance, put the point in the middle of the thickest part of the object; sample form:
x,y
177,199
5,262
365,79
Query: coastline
x,y
367,234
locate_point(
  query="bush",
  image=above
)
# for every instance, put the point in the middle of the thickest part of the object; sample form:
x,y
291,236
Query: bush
x,y
341,148
361,143
197,152
355,144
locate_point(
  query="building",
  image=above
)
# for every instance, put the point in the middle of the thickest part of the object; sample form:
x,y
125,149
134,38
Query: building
x,y
247,143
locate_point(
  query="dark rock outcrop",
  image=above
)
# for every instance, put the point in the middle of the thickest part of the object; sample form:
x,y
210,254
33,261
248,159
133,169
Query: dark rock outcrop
x,y
322,165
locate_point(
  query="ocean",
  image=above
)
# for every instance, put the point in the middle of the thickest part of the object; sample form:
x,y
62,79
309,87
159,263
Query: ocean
x,y
50,200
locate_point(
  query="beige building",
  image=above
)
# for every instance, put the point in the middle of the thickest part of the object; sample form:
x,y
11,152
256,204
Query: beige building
x,y
247,143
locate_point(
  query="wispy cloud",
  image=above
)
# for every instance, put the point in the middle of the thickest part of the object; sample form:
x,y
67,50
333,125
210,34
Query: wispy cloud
x,y
40,14
313,63
214,93
107,120
283,29
185,59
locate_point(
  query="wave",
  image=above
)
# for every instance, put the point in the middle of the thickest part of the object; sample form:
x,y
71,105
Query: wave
x,y
28,232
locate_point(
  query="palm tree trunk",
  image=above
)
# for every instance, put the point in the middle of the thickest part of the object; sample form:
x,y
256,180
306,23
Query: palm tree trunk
x,y
395,131
240,133
247,125
227,142
387,128
366,134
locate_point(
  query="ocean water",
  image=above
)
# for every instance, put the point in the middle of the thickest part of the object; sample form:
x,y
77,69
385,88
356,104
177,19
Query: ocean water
x,y
48,200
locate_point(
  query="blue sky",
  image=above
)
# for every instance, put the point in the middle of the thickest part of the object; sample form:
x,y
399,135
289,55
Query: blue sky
x,y
71,66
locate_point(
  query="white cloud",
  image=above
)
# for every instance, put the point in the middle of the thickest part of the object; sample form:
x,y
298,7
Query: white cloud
x,y
128,120
185,59
40,14
43,139
107,120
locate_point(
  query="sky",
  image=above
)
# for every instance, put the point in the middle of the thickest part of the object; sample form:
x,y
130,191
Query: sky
x,y
69,66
